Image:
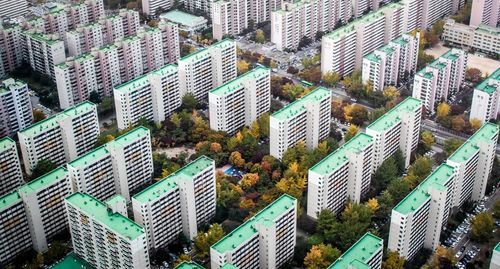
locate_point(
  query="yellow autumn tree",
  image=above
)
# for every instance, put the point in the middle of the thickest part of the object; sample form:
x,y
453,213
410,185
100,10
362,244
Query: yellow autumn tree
x,y
391,93
249,180
236,159
475,124
373,205
351,132
443,110
242,66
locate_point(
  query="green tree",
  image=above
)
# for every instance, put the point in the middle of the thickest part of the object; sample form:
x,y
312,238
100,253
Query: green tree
x,y
94,97
204,240
260,37
355,114
189,101
182,258
321,256
496,209
331,78
387,172
38,115
452,144
42,167
376,113
393,261
482,227
398,189
428,139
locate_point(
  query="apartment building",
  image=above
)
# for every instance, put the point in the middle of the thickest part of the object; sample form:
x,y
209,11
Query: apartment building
x,y
306,119
483,38
189,265
43,200
15,107
11,53
208,68
495,257
485,101
422,14
485,11
392,63
105,238
43,51
106,67
12,9
473,162
99,173
399,128
440,79
153,96
343,49
240,101
343,175
61,137
10,166
151,7
177,204
367,252
16,237
417,220
197,6
267,240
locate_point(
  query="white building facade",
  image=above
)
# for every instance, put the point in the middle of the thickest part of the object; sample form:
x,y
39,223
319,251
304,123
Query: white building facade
x,y
15,107
485,101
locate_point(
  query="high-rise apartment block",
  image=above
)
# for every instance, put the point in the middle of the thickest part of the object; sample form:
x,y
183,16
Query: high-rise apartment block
x,y
486,101
151,7
392,63
105,238
43,200
153,96
440,79
481,38
61,137
399,128
422,14
197,6
109,66
119,166
10,166
267,240
15,107
343,175
15,231
206,69
97,34
473,162
11,53
366,253
177,204
240,101
417,220
343,49
485,11
12,9
43,51
495,257
307,120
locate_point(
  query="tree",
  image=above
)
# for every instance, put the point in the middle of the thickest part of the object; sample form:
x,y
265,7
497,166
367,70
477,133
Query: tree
x,y
428,139
373,205
236,159
242,66
393,261
355,114
351,132
475,124
482,227
182,258
189,101
204,240
457,123
452,144
376,113
42,167
293,91
249,180
331,78
321,256
442,258
103,139
260,37
496,209
387,172
443,110
390,93
353,84
473,75
304,42
437,28
38,115
94,97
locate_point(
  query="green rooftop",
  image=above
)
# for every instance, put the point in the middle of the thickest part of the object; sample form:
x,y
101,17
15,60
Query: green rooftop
x,y
366,19
6,143
129,137
437,179
225,43
53,121
116,199
134,84
183,18
169,183
337,158
189,265
90,157
203,53
372,57
237,83
486,134
228,266
44,181
98,211
247,230
72,261
360,252
400,41
49,39
392,116
491,84
165,70
9,199
298,106
497,247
